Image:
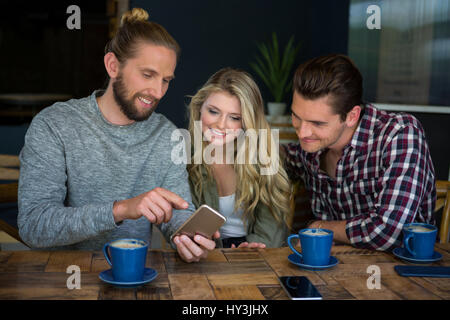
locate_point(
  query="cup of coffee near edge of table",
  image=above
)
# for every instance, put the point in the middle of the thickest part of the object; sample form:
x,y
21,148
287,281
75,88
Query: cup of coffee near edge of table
x,y
316,246
127,258
419,239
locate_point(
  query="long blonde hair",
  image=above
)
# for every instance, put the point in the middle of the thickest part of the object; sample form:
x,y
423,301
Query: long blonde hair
x,y
272,190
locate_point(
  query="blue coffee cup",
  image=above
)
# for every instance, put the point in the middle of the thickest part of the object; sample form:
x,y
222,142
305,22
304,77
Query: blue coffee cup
x,y
419,239
316,246
127,259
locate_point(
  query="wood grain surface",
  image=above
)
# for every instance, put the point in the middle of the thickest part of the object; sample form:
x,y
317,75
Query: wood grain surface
x,y
227,274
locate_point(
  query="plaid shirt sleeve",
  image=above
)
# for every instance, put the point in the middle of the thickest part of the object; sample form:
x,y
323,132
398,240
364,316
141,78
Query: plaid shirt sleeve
x,y
408,175
292,162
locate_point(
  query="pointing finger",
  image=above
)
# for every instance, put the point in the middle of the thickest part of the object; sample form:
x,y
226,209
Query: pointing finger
x,y
173,198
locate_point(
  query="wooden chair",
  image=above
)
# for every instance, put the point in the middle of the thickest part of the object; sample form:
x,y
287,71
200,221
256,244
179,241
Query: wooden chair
x,y
443,201
8,210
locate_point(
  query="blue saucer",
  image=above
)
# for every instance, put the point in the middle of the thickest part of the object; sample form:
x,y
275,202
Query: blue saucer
x,y
295,259
107,276
404,255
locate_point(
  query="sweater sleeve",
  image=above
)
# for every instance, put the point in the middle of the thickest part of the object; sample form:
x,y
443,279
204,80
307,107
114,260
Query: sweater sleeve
x,y
44,220
292,161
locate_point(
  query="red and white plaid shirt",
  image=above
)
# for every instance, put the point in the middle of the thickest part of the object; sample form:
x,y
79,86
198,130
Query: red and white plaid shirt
x,y
384,179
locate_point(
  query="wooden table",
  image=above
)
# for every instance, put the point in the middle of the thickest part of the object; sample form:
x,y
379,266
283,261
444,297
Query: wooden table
x,y
225,274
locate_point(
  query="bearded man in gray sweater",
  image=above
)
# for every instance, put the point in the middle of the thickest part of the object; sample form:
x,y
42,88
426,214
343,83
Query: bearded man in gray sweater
x,y
99,168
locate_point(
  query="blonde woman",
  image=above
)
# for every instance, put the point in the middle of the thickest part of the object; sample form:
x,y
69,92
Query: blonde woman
x,y
238,183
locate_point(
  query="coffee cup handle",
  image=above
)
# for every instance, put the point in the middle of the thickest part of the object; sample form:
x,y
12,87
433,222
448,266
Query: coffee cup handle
x,y
293,236
408,248
106,254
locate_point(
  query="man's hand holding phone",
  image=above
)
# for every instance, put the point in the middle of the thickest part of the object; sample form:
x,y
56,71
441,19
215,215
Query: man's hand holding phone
x,y
195,237
192,250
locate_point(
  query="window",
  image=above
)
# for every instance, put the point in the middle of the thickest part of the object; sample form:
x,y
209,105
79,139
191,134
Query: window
x,y
407,61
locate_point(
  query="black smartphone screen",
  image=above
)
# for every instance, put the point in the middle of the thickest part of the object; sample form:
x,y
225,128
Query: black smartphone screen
x,y
300,288
423,271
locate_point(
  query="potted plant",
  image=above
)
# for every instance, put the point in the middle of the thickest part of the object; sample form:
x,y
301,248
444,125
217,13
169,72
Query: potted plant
x,y
274,69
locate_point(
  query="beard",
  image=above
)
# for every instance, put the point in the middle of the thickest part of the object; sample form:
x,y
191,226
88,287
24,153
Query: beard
x,y
127,105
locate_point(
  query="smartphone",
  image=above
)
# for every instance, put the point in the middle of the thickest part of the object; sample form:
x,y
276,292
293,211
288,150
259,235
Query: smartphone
x,y
300,288
204,221
423,271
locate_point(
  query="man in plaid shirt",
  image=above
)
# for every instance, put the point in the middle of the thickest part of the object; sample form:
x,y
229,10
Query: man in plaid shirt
x,y
369,172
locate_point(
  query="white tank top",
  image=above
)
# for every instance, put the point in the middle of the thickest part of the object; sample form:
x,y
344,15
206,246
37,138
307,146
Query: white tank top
x,y
234,227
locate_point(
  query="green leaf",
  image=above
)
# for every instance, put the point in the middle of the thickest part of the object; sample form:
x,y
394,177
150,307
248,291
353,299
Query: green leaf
x,y
262,67
267,57
287,53
260,73
275,53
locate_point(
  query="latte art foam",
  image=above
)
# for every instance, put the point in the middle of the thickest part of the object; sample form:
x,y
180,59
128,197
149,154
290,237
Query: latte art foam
x,y
315,232
127,244
418,229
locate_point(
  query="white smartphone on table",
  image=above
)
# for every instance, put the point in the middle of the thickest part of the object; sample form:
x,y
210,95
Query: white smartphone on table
x,y
204,221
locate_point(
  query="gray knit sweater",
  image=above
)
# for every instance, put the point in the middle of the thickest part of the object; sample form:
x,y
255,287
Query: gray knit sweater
x,y
75,164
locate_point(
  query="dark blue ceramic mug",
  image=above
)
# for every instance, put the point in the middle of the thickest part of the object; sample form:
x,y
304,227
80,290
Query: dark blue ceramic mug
x,y
316,246
127,258
419,239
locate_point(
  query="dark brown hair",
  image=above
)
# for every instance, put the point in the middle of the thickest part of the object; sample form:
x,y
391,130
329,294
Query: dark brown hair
x,y
335,75
136,29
